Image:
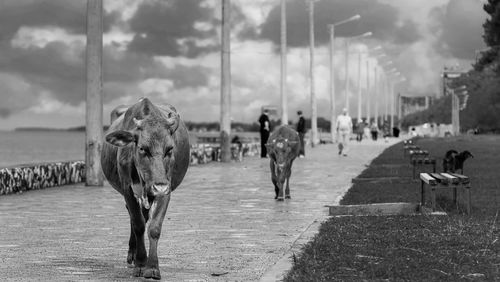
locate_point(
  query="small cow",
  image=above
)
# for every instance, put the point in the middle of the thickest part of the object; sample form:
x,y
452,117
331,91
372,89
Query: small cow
x,y
283,148
454,161
144,158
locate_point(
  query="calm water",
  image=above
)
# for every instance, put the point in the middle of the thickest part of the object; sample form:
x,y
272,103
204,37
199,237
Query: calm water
x,y
40,146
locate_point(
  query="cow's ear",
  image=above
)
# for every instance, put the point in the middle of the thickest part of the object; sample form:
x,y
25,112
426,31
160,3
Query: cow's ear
x,y
120,138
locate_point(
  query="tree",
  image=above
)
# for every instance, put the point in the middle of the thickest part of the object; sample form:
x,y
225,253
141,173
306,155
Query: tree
x,y
490,57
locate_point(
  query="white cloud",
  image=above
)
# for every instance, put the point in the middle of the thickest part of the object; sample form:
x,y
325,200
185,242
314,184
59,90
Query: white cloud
x,y
27,37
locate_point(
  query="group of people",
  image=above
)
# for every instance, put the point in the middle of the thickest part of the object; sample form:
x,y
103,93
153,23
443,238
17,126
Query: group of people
x,y
265,130
344,127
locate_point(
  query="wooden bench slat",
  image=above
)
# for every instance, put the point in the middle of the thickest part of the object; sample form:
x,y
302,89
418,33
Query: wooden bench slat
x,y
463,179
451,179
441,179
427,178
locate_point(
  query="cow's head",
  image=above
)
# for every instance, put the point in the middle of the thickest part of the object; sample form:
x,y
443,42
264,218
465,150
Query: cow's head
x,y
149,133
467,154
280,150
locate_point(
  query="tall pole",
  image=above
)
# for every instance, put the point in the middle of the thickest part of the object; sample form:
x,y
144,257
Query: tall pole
x,y
284,94
376,93
225,123
386,98
347,74
391,93
455,120
360,116
93,108
332,81
367,101
400,109
314,109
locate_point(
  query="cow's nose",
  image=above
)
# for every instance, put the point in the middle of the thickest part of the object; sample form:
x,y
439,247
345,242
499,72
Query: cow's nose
x,y
161,188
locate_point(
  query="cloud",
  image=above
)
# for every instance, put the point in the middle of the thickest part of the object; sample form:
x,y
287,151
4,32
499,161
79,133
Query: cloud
x,y
173,28
381,19
458,26
69,15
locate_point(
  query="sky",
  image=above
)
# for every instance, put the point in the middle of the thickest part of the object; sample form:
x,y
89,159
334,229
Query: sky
x,y
169,51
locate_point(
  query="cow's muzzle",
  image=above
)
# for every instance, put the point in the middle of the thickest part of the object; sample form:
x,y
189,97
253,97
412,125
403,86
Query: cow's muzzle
x,y
163,189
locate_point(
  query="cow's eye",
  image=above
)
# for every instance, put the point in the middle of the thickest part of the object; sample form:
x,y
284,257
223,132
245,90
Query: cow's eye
x,y
143,150
168,152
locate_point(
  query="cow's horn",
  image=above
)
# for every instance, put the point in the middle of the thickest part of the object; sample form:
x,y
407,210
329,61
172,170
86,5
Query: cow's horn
x,y
137,122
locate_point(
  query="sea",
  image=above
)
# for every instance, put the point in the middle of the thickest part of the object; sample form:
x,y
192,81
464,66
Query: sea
x,y
28,147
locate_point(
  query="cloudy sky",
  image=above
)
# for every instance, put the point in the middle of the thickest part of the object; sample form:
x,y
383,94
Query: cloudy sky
x,y
169,51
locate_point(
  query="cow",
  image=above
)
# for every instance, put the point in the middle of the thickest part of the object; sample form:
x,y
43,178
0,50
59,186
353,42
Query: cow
x,y
145,158
283,147
454,161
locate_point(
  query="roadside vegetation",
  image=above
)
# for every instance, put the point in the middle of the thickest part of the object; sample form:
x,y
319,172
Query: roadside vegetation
x,y
415,248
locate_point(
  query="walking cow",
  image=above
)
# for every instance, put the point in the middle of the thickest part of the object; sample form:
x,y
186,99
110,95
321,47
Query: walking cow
x,y
283,147
145,158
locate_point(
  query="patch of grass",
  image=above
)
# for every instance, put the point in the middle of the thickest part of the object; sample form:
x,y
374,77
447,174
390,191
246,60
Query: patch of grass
x,y
415,248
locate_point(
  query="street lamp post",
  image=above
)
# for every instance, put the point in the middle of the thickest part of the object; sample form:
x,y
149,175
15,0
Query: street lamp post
x,y
393,106
360,96
371,87
331,28
284,94
366,34
314,107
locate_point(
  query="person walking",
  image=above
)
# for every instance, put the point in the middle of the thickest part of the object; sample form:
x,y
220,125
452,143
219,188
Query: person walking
x,y
360,131
344,129
265,127
301,129
374,131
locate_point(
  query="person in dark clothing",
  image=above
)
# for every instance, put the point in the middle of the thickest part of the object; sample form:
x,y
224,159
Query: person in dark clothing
x,y
265,127
301,129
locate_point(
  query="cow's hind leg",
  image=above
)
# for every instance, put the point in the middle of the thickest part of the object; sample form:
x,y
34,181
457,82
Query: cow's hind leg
x,y
138,227
156,216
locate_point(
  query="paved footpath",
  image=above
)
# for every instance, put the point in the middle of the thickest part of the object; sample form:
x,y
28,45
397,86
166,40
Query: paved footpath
x,y
222,224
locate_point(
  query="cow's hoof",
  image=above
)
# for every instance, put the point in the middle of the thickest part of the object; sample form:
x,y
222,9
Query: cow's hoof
x,y
152,273
280,199
275,197
130,258
139,271
288,197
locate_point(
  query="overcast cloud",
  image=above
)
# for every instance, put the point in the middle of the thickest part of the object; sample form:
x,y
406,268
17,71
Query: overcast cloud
x,y
169,50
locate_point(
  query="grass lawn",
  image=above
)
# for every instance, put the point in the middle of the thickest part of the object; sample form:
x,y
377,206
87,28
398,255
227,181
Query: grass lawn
x,y
415,248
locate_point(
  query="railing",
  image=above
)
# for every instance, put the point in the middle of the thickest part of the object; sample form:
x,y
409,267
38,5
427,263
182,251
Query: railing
x,y
18,179
40,176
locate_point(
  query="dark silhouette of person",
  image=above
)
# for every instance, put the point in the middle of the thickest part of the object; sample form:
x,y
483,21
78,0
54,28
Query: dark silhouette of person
x,y
301,129
265,127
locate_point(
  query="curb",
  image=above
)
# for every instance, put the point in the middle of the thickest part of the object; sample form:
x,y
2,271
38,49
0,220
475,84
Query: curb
x,y
278,271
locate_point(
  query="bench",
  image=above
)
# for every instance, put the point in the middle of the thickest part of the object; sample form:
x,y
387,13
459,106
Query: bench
x,y
409,147
421,158
442,181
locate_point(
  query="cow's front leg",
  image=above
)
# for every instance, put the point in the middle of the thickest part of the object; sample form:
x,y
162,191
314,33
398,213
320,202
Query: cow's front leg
x,y
274,179
156,215
287,189
132,243
137,223
280,190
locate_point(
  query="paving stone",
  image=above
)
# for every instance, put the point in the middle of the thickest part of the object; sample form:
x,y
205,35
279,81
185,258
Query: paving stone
x,y
222,224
